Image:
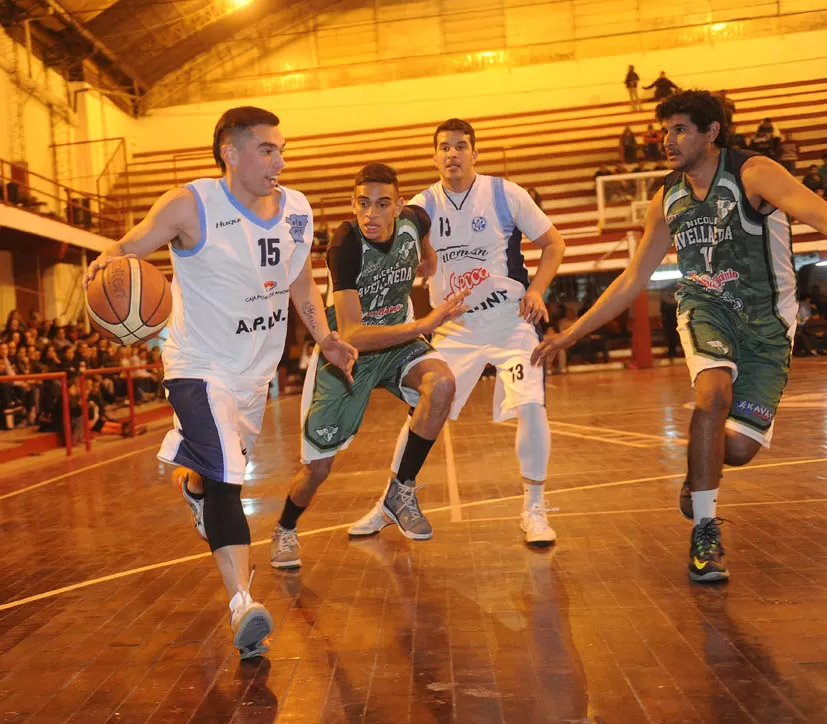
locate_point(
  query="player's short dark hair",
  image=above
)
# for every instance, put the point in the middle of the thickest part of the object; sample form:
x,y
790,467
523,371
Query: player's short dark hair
x,y
377,173
701,106
457,124
238,120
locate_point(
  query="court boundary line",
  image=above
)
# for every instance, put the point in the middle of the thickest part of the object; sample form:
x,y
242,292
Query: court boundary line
x,y
198,556
451,474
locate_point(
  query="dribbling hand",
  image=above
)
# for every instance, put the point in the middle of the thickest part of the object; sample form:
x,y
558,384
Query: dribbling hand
x,y
99,264
340,354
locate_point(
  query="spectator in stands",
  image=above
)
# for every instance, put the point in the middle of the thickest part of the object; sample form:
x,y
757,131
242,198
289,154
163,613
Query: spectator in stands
x,y
763,143
813,181
787,152
59,339
604,170
663,86
83,354
73,333
105,356
632,79
736,140
628,146
815,330
13,325
69,362
653,143
823,168
766,127
535,197
815,298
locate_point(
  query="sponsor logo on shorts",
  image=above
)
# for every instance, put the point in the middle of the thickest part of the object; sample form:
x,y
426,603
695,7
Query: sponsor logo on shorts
x,y
456,253
229,222
327,432
478,224
754,409
720,346
466,280
261,323
298,223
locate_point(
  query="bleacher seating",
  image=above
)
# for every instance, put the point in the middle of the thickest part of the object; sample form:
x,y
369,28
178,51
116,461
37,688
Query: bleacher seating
x,y
555,151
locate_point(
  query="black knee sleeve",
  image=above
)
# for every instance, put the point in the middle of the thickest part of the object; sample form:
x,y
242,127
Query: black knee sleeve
x,y
224,519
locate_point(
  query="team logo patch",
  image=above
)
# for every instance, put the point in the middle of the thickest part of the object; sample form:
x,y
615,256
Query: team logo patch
x,y
725,208
327,432
479,223
298,223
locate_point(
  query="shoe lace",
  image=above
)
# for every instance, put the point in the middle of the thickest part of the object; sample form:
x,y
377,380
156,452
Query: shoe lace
x,y
288,539
708,536
536,516
407,494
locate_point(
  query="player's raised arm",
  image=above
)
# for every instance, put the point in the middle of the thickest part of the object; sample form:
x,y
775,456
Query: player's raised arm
x,y
308,302
623,290
174,216
777,186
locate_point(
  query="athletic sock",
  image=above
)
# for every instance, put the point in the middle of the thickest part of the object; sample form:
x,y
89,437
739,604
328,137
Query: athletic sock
x,y
290,514
416,450
703,504
533,495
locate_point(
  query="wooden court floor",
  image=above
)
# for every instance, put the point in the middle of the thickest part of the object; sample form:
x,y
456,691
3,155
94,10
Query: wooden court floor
x,y
111,610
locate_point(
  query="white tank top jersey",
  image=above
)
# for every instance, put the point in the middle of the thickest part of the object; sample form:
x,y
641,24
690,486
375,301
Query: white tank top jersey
x,y
473,236
230,293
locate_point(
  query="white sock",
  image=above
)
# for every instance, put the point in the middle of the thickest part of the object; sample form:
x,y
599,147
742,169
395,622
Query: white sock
x,y
703,504
533,495
238,599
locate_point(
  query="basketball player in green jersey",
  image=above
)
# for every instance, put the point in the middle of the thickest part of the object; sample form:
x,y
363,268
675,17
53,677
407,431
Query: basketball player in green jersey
x,y
372,261
726,213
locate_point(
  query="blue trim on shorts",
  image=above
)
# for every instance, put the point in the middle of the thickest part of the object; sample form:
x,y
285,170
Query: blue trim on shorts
x,y
200,448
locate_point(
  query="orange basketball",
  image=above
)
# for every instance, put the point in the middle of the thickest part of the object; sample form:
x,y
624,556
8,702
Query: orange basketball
x,y
129,301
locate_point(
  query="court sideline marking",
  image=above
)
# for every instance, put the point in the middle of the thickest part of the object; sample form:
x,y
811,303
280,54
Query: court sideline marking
x,y
451,474
266,541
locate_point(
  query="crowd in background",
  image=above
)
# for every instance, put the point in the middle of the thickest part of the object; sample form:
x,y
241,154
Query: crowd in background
x,y
34,346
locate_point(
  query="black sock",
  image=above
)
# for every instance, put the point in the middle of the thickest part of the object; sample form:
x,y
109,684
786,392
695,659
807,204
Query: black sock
x,y
290,514
413,458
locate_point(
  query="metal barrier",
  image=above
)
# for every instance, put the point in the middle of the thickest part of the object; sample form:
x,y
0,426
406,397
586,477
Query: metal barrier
x,y
64,395
130,393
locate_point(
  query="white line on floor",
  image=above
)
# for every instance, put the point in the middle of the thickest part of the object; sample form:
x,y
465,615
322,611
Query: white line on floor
x,y
451,474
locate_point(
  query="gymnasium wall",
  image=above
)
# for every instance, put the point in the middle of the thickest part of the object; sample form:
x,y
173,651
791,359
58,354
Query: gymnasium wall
x,y
744,63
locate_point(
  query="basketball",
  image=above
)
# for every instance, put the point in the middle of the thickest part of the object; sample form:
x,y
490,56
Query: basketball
x,y
129,301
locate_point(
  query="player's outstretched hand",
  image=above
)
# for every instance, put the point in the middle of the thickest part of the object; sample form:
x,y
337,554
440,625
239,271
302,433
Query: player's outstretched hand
x,y
98,264
340,354
549,347
451,308
532,308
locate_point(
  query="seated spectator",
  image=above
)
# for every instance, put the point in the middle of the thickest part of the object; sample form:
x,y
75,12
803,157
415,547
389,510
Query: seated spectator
x,y
604,170
69,363
823,168
59,339
763,143
663,86
628,146
652,143
813,181
766,127
736,140
50,359
815,330
787,152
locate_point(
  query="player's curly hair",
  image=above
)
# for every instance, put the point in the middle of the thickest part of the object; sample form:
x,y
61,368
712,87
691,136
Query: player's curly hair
x,y
703,109
457,124
377,173
238,120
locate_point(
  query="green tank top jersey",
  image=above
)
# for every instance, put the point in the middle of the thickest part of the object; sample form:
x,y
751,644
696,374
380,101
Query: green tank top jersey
x,y
385,275
729,253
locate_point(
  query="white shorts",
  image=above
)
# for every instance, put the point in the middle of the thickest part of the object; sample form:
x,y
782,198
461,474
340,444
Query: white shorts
x,y
507,345
216,425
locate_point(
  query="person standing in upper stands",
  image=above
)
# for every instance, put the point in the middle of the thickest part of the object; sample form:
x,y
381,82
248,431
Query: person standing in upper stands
x,y
632,79
663,86
813,181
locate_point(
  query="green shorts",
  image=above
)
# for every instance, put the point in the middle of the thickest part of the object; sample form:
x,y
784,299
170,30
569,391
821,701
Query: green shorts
x,y
332,410
713,336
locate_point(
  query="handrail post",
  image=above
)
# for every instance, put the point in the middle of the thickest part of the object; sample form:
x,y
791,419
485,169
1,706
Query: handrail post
x,y
67,420
84,411
130,391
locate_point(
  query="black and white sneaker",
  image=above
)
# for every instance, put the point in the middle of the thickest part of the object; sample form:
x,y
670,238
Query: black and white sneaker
x,y
180,476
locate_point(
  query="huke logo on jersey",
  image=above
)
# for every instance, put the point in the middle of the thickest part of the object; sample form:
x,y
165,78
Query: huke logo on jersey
x,y
459,283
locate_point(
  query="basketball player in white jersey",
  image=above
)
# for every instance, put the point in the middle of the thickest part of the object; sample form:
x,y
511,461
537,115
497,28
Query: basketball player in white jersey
x,y
476,222
240,246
